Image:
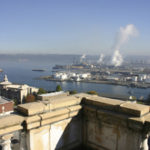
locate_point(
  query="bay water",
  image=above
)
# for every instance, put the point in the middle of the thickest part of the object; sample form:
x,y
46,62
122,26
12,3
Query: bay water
x,y
19,67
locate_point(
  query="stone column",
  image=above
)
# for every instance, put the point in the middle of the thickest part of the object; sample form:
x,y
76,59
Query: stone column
x,y
23,144
145,142
6,142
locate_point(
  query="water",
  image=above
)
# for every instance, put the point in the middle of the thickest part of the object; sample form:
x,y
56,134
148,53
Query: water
x,y
19,70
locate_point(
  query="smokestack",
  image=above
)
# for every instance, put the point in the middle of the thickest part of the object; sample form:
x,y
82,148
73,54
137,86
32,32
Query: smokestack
x,y
123,36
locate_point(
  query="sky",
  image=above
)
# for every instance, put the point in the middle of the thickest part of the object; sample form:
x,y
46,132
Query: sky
x,y
72,26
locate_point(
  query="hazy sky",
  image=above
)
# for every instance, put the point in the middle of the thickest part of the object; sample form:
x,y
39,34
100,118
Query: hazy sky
x,y
72,26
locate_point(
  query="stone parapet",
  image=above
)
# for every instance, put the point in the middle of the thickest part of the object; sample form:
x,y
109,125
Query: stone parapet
x,y
10,123
123,107
96,122
46,106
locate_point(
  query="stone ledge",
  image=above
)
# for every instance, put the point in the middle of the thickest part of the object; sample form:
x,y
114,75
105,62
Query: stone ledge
x,y
125,107
31,108
10,129
32,119
110,117
137,110
65,102
55,119
11,120
33,125
104,103
46,106
54,113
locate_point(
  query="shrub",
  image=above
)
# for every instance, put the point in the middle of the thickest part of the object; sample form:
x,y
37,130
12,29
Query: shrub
x,y
42,91
73,92
92,92
58,88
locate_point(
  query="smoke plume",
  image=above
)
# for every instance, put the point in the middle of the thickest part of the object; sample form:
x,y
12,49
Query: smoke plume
x,y
82,58
123,36
101,58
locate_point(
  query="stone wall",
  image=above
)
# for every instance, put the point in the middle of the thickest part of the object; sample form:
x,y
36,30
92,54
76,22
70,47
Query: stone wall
x,y
85,121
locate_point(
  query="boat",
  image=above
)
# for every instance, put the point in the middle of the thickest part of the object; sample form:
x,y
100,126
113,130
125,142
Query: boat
x,y
40,70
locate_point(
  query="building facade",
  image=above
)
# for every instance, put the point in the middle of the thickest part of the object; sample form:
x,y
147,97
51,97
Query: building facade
x,y
15,91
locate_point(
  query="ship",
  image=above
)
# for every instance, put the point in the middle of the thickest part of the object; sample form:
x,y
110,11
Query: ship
x,y
40,70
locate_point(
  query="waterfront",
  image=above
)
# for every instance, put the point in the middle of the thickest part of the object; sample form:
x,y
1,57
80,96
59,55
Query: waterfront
x,y
19,70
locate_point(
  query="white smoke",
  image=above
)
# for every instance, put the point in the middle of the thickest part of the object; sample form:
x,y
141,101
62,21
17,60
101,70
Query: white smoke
x,y
123,36
101,58
82,58
117,59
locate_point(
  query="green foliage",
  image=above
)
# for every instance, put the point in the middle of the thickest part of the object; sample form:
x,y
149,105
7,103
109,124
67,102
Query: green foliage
x,y
140,102
41,91
73,92
58,88
15,102
132,98
92,92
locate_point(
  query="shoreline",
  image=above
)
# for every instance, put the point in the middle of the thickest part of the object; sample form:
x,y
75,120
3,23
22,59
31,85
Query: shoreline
x,y
127,84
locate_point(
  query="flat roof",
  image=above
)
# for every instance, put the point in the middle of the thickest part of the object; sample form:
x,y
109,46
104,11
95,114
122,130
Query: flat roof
x,y
4,100
52,94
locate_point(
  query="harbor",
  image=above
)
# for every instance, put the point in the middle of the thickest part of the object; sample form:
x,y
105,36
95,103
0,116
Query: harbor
x,y
18,74
128,84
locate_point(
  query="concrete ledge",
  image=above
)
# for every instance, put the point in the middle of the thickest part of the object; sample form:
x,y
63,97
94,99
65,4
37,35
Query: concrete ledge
x,y
10,129
55,119
104,103
125,107
54,113
137,110
33,125
11,120
119,119
65,102
32,119
47,106
31,108
11,123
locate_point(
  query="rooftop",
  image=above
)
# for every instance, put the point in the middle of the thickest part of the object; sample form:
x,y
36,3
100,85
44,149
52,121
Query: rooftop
x,y
4,100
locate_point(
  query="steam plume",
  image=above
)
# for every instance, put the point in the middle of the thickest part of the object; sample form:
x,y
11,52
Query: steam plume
x,y
82,57
123,36
100,60
117,59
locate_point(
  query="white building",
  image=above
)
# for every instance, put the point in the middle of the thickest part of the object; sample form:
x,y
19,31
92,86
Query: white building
x,y
60,76
15,91
70,75
134,78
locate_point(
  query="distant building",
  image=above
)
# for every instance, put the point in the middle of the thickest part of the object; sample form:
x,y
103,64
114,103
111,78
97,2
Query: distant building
x,y
6,106
15,91
62,76
53,95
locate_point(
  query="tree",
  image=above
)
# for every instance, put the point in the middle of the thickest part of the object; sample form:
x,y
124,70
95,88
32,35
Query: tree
x,y
58,88
92,92
15,102
132,98
30,98
42,91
